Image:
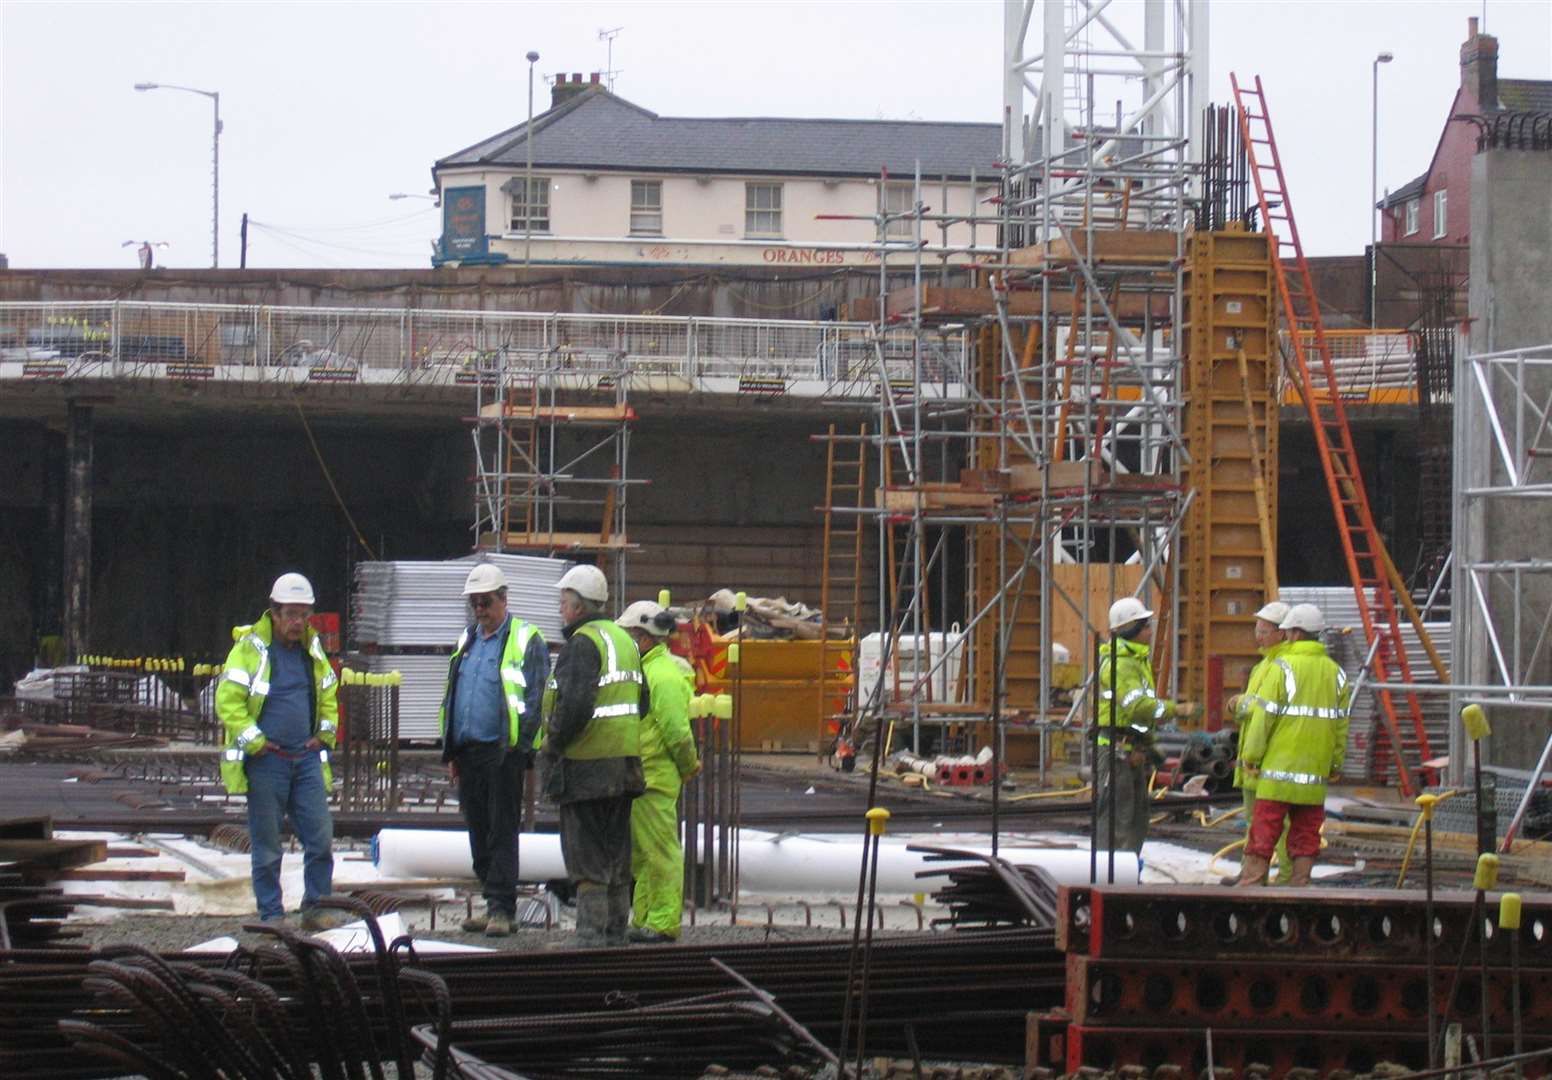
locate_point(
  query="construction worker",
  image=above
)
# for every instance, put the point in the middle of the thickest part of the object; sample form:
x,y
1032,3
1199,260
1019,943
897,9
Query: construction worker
x,y
489,717
1131,715
668,759
1297,744
276,700
1269,641
591,753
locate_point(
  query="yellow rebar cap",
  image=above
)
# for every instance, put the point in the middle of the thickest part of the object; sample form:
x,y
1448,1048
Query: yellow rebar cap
x,y
732,652
1426,803
1487,872
877,817
740,601
1475,722
662,598
1509,911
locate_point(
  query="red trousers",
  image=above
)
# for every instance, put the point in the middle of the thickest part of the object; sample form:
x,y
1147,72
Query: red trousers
x,y
1266,825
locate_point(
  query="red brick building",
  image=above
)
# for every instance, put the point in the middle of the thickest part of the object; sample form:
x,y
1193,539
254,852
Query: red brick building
x,y
1435,208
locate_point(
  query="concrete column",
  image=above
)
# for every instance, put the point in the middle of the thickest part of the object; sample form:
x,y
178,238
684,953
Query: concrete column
x,y
78,528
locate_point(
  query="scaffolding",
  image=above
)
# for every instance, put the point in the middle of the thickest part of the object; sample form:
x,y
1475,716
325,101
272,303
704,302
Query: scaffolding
x,y
551,433
1055,476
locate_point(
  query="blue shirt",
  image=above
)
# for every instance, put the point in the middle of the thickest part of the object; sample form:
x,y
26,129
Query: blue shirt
x,y
479,704
285,718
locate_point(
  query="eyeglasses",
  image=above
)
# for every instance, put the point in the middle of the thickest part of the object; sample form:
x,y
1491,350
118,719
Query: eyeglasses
x,y
483,600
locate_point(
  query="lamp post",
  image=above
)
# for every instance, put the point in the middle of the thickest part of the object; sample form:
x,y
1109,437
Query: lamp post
x,y
528,200
411,195
215,163
1374,195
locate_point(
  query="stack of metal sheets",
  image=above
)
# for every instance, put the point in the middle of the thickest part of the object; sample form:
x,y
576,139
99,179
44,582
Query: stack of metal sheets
x,y
407,617
412,604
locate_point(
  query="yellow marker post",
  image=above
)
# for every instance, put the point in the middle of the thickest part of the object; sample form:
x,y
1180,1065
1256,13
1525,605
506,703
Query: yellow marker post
x,y
1509,922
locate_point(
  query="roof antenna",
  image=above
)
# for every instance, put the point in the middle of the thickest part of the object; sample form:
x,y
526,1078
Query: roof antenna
x,y
609,72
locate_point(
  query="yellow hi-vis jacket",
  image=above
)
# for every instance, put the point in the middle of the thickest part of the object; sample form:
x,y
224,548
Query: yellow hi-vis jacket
x,y
1298,732
514,684
1136,707
1256,687
667,744
243,688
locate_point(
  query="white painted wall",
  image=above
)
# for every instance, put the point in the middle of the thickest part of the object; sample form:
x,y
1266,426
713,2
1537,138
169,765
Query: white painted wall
x,y
590,218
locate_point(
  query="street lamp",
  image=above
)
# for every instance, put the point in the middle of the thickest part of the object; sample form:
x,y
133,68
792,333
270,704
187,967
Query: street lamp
x,y
215,163
1374,194
528,199
411,195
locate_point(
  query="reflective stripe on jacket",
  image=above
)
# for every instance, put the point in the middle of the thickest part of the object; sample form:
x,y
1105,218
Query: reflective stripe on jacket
x,y
1298,731
667,744
1139,708
241,692
614,730
1256,687
514,684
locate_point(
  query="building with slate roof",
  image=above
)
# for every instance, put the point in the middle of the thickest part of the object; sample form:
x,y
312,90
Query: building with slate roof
x,y
1435,208
616,184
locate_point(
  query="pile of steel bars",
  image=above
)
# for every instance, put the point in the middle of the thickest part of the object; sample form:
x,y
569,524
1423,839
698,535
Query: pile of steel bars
x,y
996,893
963,996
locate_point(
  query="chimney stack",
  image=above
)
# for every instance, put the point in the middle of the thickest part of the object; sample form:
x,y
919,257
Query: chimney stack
x,y
566,88
1479,67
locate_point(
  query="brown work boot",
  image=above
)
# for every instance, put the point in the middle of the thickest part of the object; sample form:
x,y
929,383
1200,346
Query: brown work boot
x,y
1302,866
1252,870
498,925
476,924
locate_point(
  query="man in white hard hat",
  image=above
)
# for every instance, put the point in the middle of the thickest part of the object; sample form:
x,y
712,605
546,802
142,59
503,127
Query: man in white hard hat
x,y
668,759
1269,641
1297,745
1129,710
488,720
591,753
276,701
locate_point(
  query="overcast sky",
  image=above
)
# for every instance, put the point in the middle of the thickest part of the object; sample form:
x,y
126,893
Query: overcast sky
x,y
328,108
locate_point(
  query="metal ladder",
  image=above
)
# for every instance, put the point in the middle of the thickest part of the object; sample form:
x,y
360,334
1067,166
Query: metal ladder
x,y
1361,542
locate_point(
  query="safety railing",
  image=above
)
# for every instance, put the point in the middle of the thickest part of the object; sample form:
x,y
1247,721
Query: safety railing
x,y
188,341
1374,367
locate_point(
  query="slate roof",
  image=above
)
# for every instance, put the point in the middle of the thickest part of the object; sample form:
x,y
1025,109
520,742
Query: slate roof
x,y
1409,190
598,130
1525,95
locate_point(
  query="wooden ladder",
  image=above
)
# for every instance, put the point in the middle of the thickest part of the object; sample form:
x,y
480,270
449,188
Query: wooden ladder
x,y
840,588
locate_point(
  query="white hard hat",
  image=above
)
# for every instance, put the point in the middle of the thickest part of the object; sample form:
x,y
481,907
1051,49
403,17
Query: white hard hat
x,y
485,577
588,582
1126,611
1274,613
1306,617
646,615
292,589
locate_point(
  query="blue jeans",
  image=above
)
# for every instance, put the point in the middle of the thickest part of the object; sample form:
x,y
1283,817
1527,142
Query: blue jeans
x,y
289,787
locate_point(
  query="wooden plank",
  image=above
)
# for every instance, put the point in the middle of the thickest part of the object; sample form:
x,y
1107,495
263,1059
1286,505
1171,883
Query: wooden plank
x,y
943,305
575,414
560,541
1130,246
109,874
32,828
934,497
56,854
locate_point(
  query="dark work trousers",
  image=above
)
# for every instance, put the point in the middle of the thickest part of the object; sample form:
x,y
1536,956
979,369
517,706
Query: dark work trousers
x,y
490,794
595,840
1128,789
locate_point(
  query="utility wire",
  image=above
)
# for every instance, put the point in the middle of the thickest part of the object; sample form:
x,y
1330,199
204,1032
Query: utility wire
x,y
329,477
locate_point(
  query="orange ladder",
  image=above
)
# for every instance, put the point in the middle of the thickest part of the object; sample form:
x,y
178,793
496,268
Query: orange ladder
x,y
1361,542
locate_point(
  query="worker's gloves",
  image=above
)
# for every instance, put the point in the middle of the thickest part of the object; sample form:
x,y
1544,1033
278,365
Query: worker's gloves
x,y
1188,710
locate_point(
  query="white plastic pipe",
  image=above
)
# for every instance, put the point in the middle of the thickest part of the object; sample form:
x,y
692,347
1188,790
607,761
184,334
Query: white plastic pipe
x,y
444,853
769,864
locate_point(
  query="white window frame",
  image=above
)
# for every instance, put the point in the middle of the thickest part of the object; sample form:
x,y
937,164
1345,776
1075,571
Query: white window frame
x,y
900,198
646,208
762,222
1412,212
1441,207
524,218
